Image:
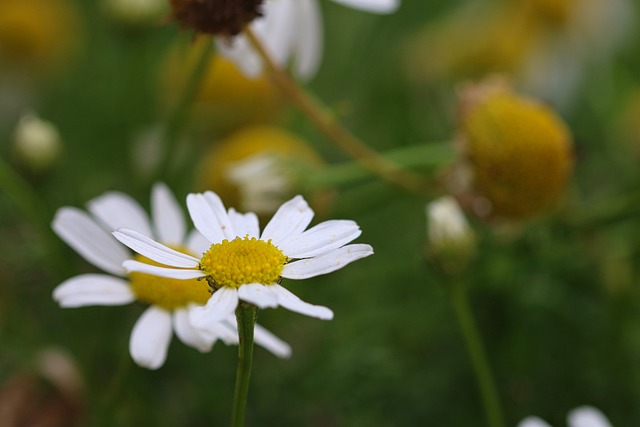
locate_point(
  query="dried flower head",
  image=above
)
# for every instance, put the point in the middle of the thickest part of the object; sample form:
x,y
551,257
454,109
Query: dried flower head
x,y
224,17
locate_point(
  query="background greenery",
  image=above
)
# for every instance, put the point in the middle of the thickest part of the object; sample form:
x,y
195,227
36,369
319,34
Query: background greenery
x,y
557,302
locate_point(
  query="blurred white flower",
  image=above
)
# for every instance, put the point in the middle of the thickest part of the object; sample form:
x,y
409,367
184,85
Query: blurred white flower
x,y
36,143
290,30
584,416
263,181
170,301
244,264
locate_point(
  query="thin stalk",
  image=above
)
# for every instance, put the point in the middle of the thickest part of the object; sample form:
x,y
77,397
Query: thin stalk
x,y
180,114
477,354
325,121
432,155
246,315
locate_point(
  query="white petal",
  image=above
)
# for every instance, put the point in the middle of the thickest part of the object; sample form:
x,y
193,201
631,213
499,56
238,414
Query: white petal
x,y
533,422
197,244
209,216
308,44
168,218
154,250
150,338
189,335
262,337
326,263
118,210
221,304
320,239
93,243
244,224
289,221
170,273
278,34
259,295
587,416
291,302
226,330
269,341
93,289
375,6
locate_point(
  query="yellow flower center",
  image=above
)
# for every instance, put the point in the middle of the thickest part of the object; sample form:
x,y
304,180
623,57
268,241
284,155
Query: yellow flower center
x,y
242,260
521,154
169,294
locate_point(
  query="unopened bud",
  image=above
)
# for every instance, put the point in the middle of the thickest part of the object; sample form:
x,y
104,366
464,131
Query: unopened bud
x,y
451,242
36,143
136,12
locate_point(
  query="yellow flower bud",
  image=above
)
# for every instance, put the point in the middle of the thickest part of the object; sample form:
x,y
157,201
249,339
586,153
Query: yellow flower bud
x,y
519,152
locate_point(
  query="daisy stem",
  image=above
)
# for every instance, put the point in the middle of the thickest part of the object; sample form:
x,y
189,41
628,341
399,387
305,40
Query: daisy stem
x,y
180,114
477,354
246,315
326,122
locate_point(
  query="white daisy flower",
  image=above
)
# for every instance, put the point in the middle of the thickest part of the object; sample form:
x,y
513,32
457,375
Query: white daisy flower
x,y
290,29
584,416
170,301
244,264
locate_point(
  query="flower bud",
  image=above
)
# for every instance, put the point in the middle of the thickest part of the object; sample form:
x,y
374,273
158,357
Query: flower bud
x,y
451,242
135,12
36,144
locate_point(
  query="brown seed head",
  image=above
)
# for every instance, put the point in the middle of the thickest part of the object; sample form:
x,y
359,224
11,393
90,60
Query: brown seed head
x,y
223,17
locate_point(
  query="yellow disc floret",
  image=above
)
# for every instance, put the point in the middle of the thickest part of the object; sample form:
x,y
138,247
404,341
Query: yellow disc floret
x,y
241,261
169,294
520,153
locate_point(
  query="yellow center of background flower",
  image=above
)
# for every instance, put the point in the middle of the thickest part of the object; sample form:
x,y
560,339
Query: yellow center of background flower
x,y
169,294
521,154
242,261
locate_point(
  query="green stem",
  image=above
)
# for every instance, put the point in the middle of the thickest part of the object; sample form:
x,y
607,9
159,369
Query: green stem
x,y
180,115
432,155
325,122
478,356
246,315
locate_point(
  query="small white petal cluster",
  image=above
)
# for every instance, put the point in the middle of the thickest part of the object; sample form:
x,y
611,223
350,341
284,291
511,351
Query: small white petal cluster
x,y
89,234
584,416
319,250
291,30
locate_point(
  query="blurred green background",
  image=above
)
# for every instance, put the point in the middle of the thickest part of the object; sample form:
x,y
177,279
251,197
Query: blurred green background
x,y
557,302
